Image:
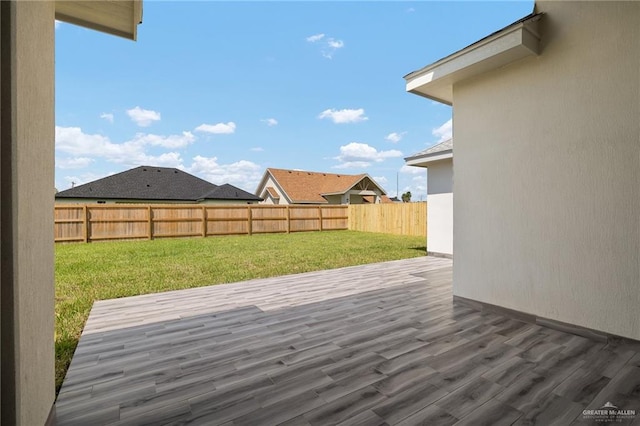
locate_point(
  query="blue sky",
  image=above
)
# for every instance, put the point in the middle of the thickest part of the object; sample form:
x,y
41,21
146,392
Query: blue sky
x,y
224,90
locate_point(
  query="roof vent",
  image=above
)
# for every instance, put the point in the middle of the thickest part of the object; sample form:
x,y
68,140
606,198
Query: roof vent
x,y
148,185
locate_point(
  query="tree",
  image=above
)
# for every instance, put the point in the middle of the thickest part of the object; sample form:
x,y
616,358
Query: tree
x,y
406,197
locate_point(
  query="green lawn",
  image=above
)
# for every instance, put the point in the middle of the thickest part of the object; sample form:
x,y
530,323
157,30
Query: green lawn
x,y
97,271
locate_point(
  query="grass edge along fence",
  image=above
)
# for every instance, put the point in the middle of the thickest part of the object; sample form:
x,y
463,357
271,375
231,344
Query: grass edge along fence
x,y
103,222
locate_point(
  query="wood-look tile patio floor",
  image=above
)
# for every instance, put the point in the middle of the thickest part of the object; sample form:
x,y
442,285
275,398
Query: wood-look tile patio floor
x,y
379,344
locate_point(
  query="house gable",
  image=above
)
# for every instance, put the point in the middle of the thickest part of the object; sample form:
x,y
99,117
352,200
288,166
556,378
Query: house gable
x,y
305,187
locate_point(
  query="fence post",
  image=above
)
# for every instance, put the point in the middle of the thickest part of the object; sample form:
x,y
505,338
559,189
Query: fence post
x,y
85,225
320,217
204,221
288,219
150,223
249,220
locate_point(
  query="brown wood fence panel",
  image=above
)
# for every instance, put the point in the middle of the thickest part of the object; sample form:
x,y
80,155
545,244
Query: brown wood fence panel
x,y
227,220
269,219
335,217
97,222
392,218
170,221
69,223
304,218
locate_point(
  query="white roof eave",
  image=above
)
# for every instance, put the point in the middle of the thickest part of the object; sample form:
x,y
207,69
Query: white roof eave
x,y
513,43
423,161
120,18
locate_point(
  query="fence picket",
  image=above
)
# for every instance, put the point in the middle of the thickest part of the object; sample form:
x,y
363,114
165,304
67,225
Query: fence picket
x,y
96,222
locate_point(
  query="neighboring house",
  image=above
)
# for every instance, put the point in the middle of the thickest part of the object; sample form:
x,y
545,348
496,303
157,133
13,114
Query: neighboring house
x,y
438,160
27,36
147,184
547,165
281,186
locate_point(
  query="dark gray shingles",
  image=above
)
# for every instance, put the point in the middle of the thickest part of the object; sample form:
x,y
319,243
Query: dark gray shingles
x,y
156,183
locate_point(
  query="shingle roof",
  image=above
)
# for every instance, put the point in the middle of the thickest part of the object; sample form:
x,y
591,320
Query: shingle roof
x,y
440,148
304,187
156,183
230,192
272,191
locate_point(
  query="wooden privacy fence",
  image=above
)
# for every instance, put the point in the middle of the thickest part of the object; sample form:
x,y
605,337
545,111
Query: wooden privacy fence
x,y
98,222
396,218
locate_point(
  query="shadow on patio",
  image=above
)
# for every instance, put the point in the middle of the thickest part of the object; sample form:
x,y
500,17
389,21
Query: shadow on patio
x,y
371,345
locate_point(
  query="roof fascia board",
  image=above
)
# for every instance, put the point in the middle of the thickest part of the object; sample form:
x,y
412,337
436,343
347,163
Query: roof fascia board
x,y
421,161
119,18
515,42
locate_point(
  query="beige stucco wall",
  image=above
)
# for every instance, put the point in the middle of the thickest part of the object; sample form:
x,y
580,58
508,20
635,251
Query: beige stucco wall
x,y
547,173
440,207
27,229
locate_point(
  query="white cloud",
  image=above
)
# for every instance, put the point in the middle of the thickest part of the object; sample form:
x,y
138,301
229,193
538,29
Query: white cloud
x,y
73,163
395,137
419,188
314,38
411,170
382,180
336,44
73,141
257,149
410,10
77,149
344,115
331,47
143,117
270,122
243,174
417,182
218,129
107,116
352,165
57,24
355,154
171,141
328,45
444,132
168,159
